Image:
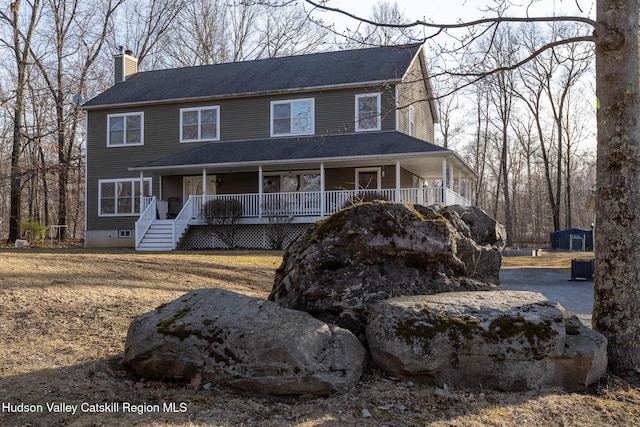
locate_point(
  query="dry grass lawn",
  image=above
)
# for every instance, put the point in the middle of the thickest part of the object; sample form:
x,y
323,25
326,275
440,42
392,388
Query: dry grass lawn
x,y
64,315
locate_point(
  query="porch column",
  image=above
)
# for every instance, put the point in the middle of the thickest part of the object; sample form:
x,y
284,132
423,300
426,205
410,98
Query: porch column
x,y
397,181
323,201
204,184
444,181
142,206
260,192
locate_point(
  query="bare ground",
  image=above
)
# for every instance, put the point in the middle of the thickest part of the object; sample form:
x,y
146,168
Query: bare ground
x,y
64,315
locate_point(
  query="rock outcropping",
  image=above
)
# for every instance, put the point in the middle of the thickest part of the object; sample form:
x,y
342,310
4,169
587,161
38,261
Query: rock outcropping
x,y
243,342
340,267
505,340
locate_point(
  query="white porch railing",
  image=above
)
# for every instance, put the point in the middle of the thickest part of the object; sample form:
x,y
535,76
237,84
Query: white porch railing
x,y
183,219
147,217
454,198
309,203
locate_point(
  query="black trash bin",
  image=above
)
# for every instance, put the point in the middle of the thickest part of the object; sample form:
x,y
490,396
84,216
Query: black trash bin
x,y
582,269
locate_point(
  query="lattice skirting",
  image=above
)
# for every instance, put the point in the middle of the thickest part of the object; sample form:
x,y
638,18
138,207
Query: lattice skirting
x,y
245,236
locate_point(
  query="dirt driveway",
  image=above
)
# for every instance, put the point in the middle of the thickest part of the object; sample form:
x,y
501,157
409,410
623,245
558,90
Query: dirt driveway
x,y
575,296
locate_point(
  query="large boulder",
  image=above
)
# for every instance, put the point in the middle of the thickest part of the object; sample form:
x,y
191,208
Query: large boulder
x,y
369,252
243,342
505,340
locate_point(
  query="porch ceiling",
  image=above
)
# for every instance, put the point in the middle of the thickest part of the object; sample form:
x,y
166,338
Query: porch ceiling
x,y
343,150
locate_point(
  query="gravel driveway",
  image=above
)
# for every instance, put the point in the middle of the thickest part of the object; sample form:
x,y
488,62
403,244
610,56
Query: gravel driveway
x,y
575,296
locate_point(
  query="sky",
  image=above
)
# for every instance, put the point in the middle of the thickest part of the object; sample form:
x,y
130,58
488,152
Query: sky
x,y
451,11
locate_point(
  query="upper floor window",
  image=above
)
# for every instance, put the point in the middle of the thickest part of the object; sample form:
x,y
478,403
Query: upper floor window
x,y
121,196
199,124
294,117
412,121
368,112
125,129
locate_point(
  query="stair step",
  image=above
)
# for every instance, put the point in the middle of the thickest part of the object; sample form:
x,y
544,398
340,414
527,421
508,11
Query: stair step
x,y
159,237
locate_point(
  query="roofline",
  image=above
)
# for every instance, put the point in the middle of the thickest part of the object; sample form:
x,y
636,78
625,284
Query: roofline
x,y
241,95
344,159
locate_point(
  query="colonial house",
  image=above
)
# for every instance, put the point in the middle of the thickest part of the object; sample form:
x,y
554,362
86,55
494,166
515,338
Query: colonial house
x,y
258,146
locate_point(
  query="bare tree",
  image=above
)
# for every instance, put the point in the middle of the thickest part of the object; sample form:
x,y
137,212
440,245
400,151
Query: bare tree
x,y
146,24
385,27
68,49
548,82
200,36
498,50
288,31
19,41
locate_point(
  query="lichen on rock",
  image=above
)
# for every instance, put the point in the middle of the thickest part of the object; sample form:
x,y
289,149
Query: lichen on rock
x,y
372,251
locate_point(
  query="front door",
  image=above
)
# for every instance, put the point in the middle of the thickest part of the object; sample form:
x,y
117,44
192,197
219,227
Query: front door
x,y
192,186
368,179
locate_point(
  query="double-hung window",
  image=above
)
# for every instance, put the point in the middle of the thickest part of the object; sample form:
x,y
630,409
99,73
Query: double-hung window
x,y
200,124
412,121
125,129
293,117
121,196
368,112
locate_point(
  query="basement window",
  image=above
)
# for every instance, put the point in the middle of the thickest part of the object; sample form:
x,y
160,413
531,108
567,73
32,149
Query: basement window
x,y
124,234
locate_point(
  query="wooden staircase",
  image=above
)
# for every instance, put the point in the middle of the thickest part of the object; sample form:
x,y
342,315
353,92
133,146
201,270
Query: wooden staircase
x,y
159,237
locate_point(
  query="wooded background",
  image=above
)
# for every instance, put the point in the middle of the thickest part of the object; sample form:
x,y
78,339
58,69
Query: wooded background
x,y
529,131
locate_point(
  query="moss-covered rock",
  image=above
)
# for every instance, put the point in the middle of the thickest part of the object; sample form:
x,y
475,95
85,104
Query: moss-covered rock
x,y
243,342
371,251
506,340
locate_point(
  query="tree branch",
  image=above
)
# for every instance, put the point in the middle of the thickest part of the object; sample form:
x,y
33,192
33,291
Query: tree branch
x,y
421,23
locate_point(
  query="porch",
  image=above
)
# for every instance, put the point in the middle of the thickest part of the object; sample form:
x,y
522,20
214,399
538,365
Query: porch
x,y
152,232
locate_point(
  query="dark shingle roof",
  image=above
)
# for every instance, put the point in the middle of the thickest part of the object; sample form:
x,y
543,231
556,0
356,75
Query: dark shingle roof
x,y
347,146
346,67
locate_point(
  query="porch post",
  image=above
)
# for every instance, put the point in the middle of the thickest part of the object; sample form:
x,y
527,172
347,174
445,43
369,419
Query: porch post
x,y
397,181
444,181
141,192
260,192
323,202
204,184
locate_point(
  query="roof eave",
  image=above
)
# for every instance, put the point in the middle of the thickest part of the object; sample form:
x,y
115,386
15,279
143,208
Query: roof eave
x,y
342,159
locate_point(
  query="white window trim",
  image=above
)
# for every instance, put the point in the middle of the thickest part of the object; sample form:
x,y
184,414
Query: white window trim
x,y
378,112
125,234
199,109
291,101
124,115
375,169
133,182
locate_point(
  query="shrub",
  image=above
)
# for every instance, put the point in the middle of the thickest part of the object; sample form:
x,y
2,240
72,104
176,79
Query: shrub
x,y
35,230
222,211
279,220
223,215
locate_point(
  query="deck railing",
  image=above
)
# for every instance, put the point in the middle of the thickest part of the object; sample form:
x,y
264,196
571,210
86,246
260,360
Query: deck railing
x,y
312,204
147,217
183,219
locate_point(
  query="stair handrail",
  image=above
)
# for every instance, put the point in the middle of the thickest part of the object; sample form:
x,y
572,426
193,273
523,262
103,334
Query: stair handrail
x,y
181,221
145,220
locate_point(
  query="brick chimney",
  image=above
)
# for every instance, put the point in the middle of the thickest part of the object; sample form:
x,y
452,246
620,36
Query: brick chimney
x,y
125,64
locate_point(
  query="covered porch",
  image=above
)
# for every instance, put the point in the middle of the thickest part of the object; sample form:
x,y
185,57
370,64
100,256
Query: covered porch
x,y
295,187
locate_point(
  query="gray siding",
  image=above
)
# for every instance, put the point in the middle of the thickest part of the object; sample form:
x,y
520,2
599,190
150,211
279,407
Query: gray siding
x,y
241,118
414,92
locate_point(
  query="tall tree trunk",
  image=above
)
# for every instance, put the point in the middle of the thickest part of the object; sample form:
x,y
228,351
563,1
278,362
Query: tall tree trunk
x,y
21,46
507,199
616,312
